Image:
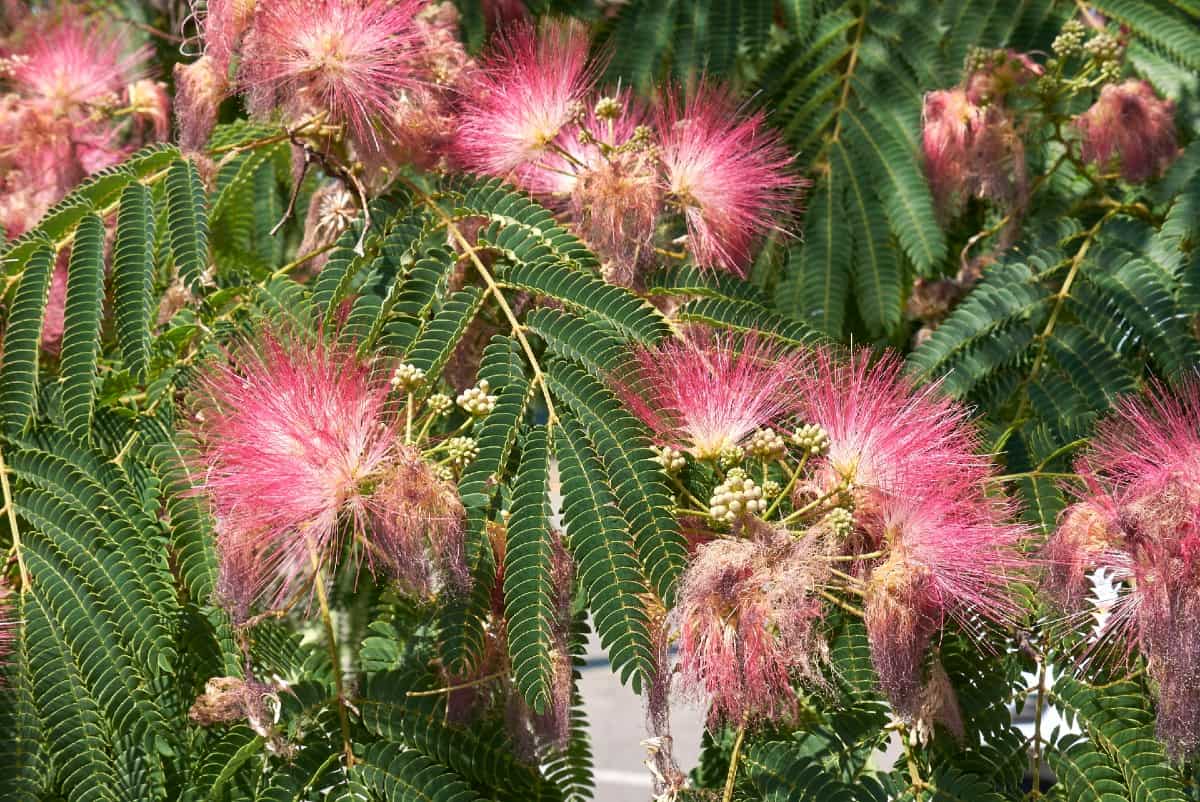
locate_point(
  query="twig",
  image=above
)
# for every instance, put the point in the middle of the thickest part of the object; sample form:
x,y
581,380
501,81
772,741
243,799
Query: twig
x,y
458,687
335,658
11,509
733,761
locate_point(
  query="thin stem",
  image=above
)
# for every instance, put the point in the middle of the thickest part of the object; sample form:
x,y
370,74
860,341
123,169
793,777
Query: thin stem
x,y
11,509
815,503
1037,728
787,490
848,77
518,330
1011,477
849,608
408,419
334,657
733,761
450,688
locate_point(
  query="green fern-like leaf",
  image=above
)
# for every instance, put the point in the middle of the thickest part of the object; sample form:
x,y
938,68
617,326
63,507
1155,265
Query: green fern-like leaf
x,y
187,217
18,376
81,328
528,586
133,270
397,774
597,536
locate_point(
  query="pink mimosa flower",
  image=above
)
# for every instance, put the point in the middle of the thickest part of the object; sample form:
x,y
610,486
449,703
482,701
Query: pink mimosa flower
x,y
709,392
1138,515
526,91
732,177
746,616
886,435
348,59
946,558
1130,126
292,437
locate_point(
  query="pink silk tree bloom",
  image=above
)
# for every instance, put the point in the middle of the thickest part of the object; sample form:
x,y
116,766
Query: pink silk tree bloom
x,y
292,437
1143,474
708,392
199,89
1129,126
526,91
222,26
946,558
731,176
886,435
347,59
71,63
747,616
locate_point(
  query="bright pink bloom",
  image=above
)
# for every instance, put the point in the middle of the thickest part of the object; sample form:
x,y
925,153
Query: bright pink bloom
x,y
946,558
1130,126
708,392
347,58
747,615
527,90
886,435
1141,504
292,436
732,177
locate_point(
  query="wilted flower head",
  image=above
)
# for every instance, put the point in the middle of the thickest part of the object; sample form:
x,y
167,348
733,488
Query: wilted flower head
x,y
731,176
199,89
292,437
1130,126
886,435
746,616
1138,514
348,59
971,151
708,392
945,558
527,90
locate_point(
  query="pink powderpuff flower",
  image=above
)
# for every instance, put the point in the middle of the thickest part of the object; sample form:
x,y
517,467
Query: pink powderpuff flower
x,y
1143,471
1129,126
747,616
199,89
223,25
348,59
526,91
1085,539
71,63
731,176
292,436
707,392
150,106
886,435
946,558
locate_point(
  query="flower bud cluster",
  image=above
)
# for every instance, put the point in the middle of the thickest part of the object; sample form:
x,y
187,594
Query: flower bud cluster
x,y
1070,39
672,460
812,438
767,444
462,450
476,401
407,377
439,403
738,495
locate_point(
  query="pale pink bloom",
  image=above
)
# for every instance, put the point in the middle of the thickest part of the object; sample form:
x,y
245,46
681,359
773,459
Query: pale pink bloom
x,y
150,106
1143,474
731,176
223,25
747,616
709,391
526,91
73,62
292,438
1129,126
886,435
199,89
348,59
950,556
